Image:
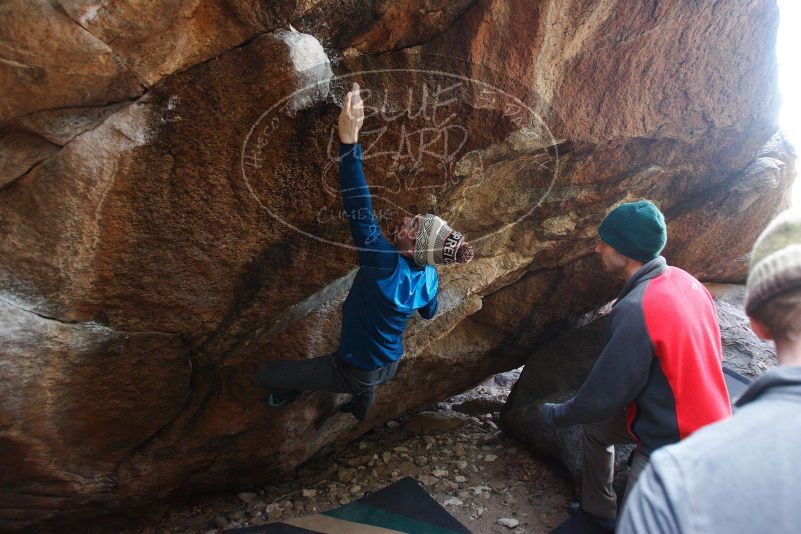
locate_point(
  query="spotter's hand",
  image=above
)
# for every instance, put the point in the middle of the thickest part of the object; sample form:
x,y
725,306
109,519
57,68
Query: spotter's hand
x,y
351,117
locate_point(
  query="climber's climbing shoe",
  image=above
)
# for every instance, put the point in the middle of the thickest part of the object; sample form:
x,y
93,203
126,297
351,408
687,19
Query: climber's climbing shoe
x,y
276,399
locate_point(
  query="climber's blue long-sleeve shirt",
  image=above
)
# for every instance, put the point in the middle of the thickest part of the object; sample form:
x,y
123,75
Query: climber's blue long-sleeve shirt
x,y
388,287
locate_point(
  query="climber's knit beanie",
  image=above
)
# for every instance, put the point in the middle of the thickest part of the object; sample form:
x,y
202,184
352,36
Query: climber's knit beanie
x,y
437,243
775,261
636,230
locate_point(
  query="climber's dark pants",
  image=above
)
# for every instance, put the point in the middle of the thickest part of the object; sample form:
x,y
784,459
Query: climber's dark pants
x,y
326,373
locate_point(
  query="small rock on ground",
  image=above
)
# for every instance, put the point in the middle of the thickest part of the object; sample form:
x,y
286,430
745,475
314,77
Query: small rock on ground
x,y
508,522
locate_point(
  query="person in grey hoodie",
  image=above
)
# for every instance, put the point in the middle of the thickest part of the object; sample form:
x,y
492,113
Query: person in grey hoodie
x,y
742,474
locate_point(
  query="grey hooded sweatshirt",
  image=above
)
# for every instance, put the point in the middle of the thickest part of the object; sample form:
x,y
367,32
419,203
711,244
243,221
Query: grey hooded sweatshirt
x,y
741,475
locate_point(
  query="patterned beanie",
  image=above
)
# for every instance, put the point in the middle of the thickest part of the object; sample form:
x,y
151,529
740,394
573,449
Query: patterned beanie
x,y
438,243
636,230
775,261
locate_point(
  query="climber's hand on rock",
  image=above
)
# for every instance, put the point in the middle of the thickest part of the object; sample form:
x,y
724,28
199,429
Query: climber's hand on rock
x,y
351,117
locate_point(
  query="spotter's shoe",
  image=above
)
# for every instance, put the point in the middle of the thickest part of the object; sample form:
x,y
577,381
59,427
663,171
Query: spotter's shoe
x,y
603,524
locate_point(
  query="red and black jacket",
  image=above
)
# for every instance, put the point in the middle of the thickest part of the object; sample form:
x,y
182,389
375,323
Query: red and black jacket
x,y
662,362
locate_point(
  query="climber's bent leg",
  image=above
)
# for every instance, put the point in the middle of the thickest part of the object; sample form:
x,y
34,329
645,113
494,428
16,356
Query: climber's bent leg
x,y
287,378
363,385
360,404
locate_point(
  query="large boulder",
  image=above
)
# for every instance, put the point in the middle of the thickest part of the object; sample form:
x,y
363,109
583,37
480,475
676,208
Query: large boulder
x,y
170,215
554,373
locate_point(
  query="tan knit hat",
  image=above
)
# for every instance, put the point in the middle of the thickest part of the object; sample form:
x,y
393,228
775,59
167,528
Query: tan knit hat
x,y
775,260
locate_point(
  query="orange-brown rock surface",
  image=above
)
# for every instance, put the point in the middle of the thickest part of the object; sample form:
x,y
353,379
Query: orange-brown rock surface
x,y
169,213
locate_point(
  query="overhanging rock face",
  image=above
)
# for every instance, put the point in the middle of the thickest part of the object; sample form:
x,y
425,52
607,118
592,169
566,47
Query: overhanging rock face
x,y
170,217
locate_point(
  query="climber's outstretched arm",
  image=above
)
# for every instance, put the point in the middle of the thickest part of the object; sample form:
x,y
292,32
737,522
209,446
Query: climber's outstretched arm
x,y
373,248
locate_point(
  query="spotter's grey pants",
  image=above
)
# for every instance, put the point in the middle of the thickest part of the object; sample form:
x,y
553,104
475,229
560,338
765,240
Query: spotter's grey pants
x,y
597,495
327,373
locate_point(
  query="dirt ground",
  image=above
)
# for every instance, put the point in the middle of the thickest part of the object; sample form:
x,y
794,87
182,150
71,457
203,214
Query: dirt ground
x,y
487,481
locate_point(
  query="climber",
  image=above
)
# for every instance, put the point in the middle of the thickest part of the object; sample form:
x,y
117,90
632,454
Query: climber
x,y
659,377
742,474
392,282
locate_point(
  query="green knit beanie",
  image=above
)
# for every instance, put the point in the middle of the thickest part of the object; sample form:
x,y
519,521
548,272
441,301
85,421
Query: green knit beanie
x,y
775,260
636,230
